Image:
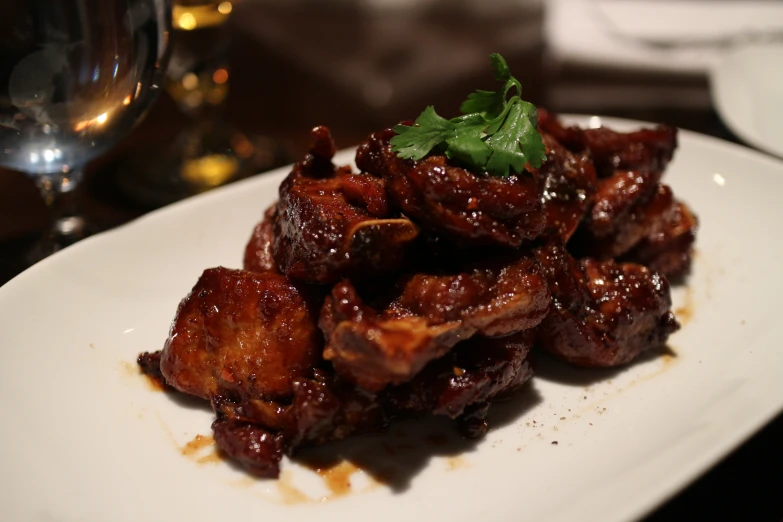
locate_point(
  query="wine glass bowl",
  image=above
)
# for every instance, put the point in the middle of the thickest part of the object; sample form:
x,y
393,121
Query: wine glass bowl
x,y
75,77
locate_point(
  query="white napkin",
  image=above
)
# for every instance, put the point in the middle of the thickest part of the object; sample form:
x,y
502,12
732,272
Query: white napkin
x,y
671,36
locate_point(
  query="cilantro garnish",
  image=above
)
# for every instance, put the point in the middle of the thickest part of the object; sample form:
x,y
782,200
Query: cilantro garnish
x,y
496,133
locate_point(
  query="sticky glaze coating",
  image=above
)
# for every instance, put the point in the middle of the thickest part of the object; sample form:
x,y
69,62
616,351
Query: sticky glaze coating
x,y
252,334
645,150
569,186
603,313
472,208
321,409
627,192
667,246
419,288
331,223
259,255
250,445
427,317
466,381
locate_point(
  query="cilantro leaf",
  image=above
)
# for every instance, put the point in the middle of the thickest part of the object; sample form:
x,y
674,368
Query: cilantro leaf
x,y
499,67
496,133
515,144
427,133
487,103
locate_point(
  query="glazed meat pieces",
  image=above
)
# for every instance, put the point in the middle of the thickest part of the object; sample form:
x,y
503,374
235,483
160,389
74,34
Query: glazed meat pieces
x,y
627,199
467,207
463,383
667,246
331,223
259,253
249,344
420,287
257,433
569,185
603,313
375,347
241,333
645,150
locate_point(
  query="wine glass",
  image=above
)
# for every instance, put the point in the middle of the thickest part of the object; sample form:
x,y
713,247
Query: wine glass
x,y
75,77
209,151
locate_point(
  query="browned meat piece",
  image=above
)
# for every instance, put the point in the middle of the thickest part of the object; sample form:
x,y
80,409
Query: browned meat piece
x,y
149,363
668,245
249,344
259,256
332,223
322,408
466,380
645,150
603,313
429,315
439,196
630,166
640,220
257,433
241,332
569,182
256,449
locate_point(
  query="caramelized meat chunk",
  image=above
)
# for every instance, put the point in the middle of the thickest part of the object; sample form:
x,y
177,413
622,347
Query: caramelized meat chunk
x,y
428,316
644,150
569,185
259,255
256,449
465,380
323,408
603,313
668,244
332,223
149,364
629,167
640,221
442,197
238,331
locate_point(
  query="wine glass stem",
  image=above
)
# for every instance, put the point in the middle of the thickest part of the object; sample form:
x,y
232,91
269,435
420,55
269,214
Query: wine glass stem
x,y
61,197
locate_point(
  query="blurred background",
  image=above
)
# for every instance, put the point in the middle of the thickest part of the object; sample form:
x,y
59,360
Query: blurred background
x,y
249,78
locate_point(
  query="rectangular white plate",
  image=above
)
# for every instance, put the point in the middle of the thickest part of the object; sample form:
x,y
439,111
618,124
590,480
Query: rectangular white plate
x,y
86,439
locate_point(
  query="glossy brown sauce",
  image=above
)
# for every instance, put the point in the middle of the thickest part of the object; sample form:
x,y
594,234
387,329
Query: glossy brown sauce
x,y
289,493
153,383
338,478
196,445
685,312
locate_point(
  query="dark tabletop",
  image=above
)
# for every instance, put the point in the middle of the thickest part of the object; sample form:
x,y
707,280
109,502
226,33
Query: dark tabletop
x,y
277,91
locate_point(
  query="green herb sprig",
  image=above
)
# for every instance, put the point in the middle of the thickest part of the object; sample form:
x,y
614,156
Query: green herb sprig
x,y
496,133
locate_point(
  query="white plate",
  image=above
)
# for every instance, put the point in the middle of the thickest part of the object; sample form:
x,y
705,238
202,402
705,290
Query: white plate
x,y
85,438
747,90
